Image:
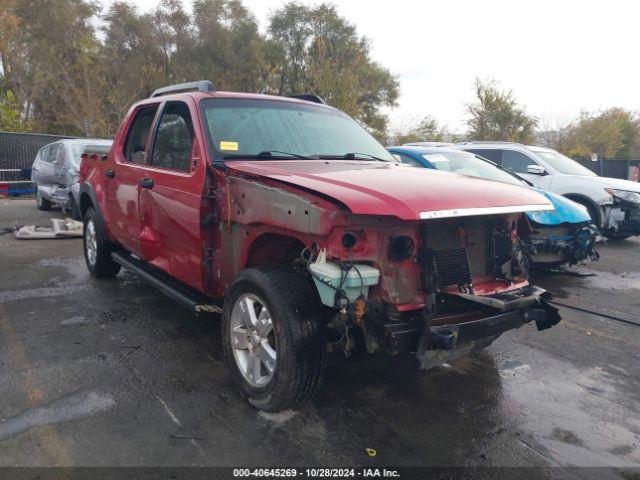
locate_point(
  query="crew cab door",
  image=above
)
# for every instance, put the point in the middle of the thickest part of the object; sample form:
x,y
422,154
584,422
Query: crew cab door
x,y
122,179
170,196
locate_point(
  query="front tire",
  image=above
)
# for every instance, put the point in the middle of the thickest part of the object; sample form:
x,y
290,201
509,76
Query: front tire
x,y
97,252
272,337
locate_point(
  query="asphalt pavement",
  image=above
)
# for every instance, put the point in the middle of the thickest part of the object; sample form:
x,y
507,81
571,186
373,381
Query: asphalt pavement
x,y
112,373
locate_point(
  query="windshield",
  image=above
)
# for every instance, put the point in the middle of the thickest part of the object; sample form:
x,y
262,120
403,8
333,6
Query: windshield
x,y
241,127
564,164
464,163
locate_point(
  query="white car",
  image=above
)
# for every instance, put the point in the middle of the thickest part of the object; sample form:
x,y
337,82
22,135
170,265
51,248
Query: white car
x,y
55,172
613,204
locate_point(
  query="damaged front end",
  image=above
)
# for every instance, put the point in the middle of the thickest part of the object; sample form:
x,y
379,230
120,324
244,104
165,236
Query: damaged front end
x,y
446,292
622,217
555,245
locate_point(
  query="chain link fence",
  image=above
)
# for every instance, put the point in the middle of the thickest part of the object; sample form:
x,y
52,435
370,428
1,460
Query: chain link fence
x,y
18,150
17,153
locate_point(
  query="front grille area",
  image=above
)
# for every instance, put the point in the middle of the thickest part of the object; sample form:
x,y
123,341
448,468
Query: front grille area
x,y
452,266
633,214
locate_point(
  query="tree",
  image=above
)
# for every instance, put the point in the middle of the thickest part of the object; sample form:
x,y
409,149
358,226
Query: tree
x,y
426,130
70,77
495,115
228,46
51,63
10,117
132,58
317,51
612,133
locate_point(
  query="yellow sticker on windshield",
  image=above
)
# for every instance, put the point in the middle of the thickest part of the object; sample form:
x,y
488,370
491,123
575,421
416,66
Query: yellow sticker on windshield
x,y
229,146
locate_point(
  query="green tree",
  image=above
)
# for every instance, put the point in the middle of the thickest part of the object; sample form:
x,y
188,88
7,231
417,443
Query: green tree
x,y
315,50
495,115
229,49
612,133
52,65
10,116
427,130
132,58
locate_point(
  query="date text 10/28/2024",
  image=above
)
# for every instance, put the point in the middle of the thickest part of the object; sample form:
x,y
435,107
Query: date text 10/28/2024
x,y
315,473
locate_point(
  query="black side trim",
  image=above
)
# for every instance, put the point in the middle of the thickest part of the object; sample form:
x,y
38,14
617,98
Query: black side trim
x,y
184,295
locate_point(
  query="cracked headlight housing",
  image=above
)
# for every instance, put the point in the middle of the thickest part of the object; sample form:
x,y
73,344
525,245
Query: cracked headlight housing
x,y
633,197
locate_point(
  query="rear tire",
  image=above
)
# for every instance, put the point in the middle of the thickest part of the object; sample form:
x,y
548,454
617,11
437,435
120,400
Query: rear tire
x,y
42,203
272,337
97,251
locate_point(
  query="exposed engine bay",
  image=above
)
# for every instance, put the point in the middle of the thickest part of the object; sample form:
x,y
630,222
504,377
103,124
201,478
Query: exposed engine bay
x,y
467,279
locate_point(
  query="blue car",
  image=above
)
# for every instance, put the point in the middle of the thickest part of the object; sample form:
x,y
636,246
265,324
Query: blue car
x,y
563,236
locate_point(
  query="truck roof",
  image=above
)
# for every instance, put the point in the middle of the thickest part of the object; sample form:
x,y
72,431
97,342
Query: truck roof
x,y
199,95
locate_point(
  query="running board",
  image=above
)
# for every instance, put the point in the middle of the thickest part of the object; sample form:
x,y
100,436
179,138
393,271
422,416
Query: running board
x,y
184,295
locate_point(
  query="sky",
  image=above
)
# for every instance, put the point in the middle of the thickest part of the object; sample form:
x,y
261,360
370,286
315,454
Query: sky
x,y
558,56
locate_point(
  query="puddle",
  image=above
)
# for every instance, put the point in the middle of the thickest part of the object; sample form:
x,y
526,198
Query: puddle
x,y
58,411
514,367
44,292
75,268
278,418
74,321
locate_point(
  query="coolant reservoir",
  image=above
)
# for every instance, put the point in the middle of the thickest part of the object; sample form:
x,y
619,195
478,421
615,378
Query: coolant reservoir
x,y
357,281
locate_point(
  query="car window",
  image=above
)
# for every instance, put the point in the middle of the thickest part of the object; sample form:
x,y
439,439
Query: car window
x,y
467,163
136,141
488,153
564,164
52,153
516,162
43,154
407,160
174,139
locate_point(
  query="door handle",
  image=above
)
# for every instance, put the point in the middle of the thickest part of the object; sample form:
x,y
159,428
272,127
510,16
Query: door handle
x,y
109,173
146,183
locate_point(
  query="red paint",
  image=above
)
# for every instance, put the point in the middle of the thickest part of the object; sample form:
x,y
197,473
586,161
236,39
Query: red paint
x,y
200,228
380,188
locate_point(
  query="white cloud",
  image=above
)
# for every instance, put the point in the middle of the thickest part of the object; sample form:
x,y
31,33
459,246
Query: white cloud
x,y
558,56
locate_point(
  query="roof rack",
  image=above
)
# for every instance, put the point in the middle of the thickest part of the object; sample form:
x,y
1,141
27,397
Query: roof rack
x,y
309,97
199,86
481,142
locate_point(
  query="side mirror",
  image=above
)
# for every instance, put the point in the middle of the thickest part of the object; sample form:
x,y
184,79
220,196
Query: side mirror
x,y
536,170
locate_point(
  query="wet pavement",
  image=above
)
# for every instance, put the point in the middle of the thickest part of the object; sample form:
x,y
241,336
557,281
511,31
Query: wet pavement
x,y
104,373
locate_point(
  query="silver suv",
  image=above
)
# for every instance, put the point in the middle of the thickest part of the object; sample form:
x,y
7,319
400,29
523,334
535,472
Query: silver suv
x,y
613,204
55,171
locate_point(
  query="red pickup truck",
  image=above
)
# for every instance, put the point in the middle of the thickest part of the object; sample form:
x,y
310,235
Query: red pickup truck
x,y
289,219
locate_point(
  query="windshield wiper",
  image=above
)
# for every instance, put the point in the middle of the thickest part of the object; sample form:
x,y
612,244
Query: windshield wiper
x,y
354,156
268,154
